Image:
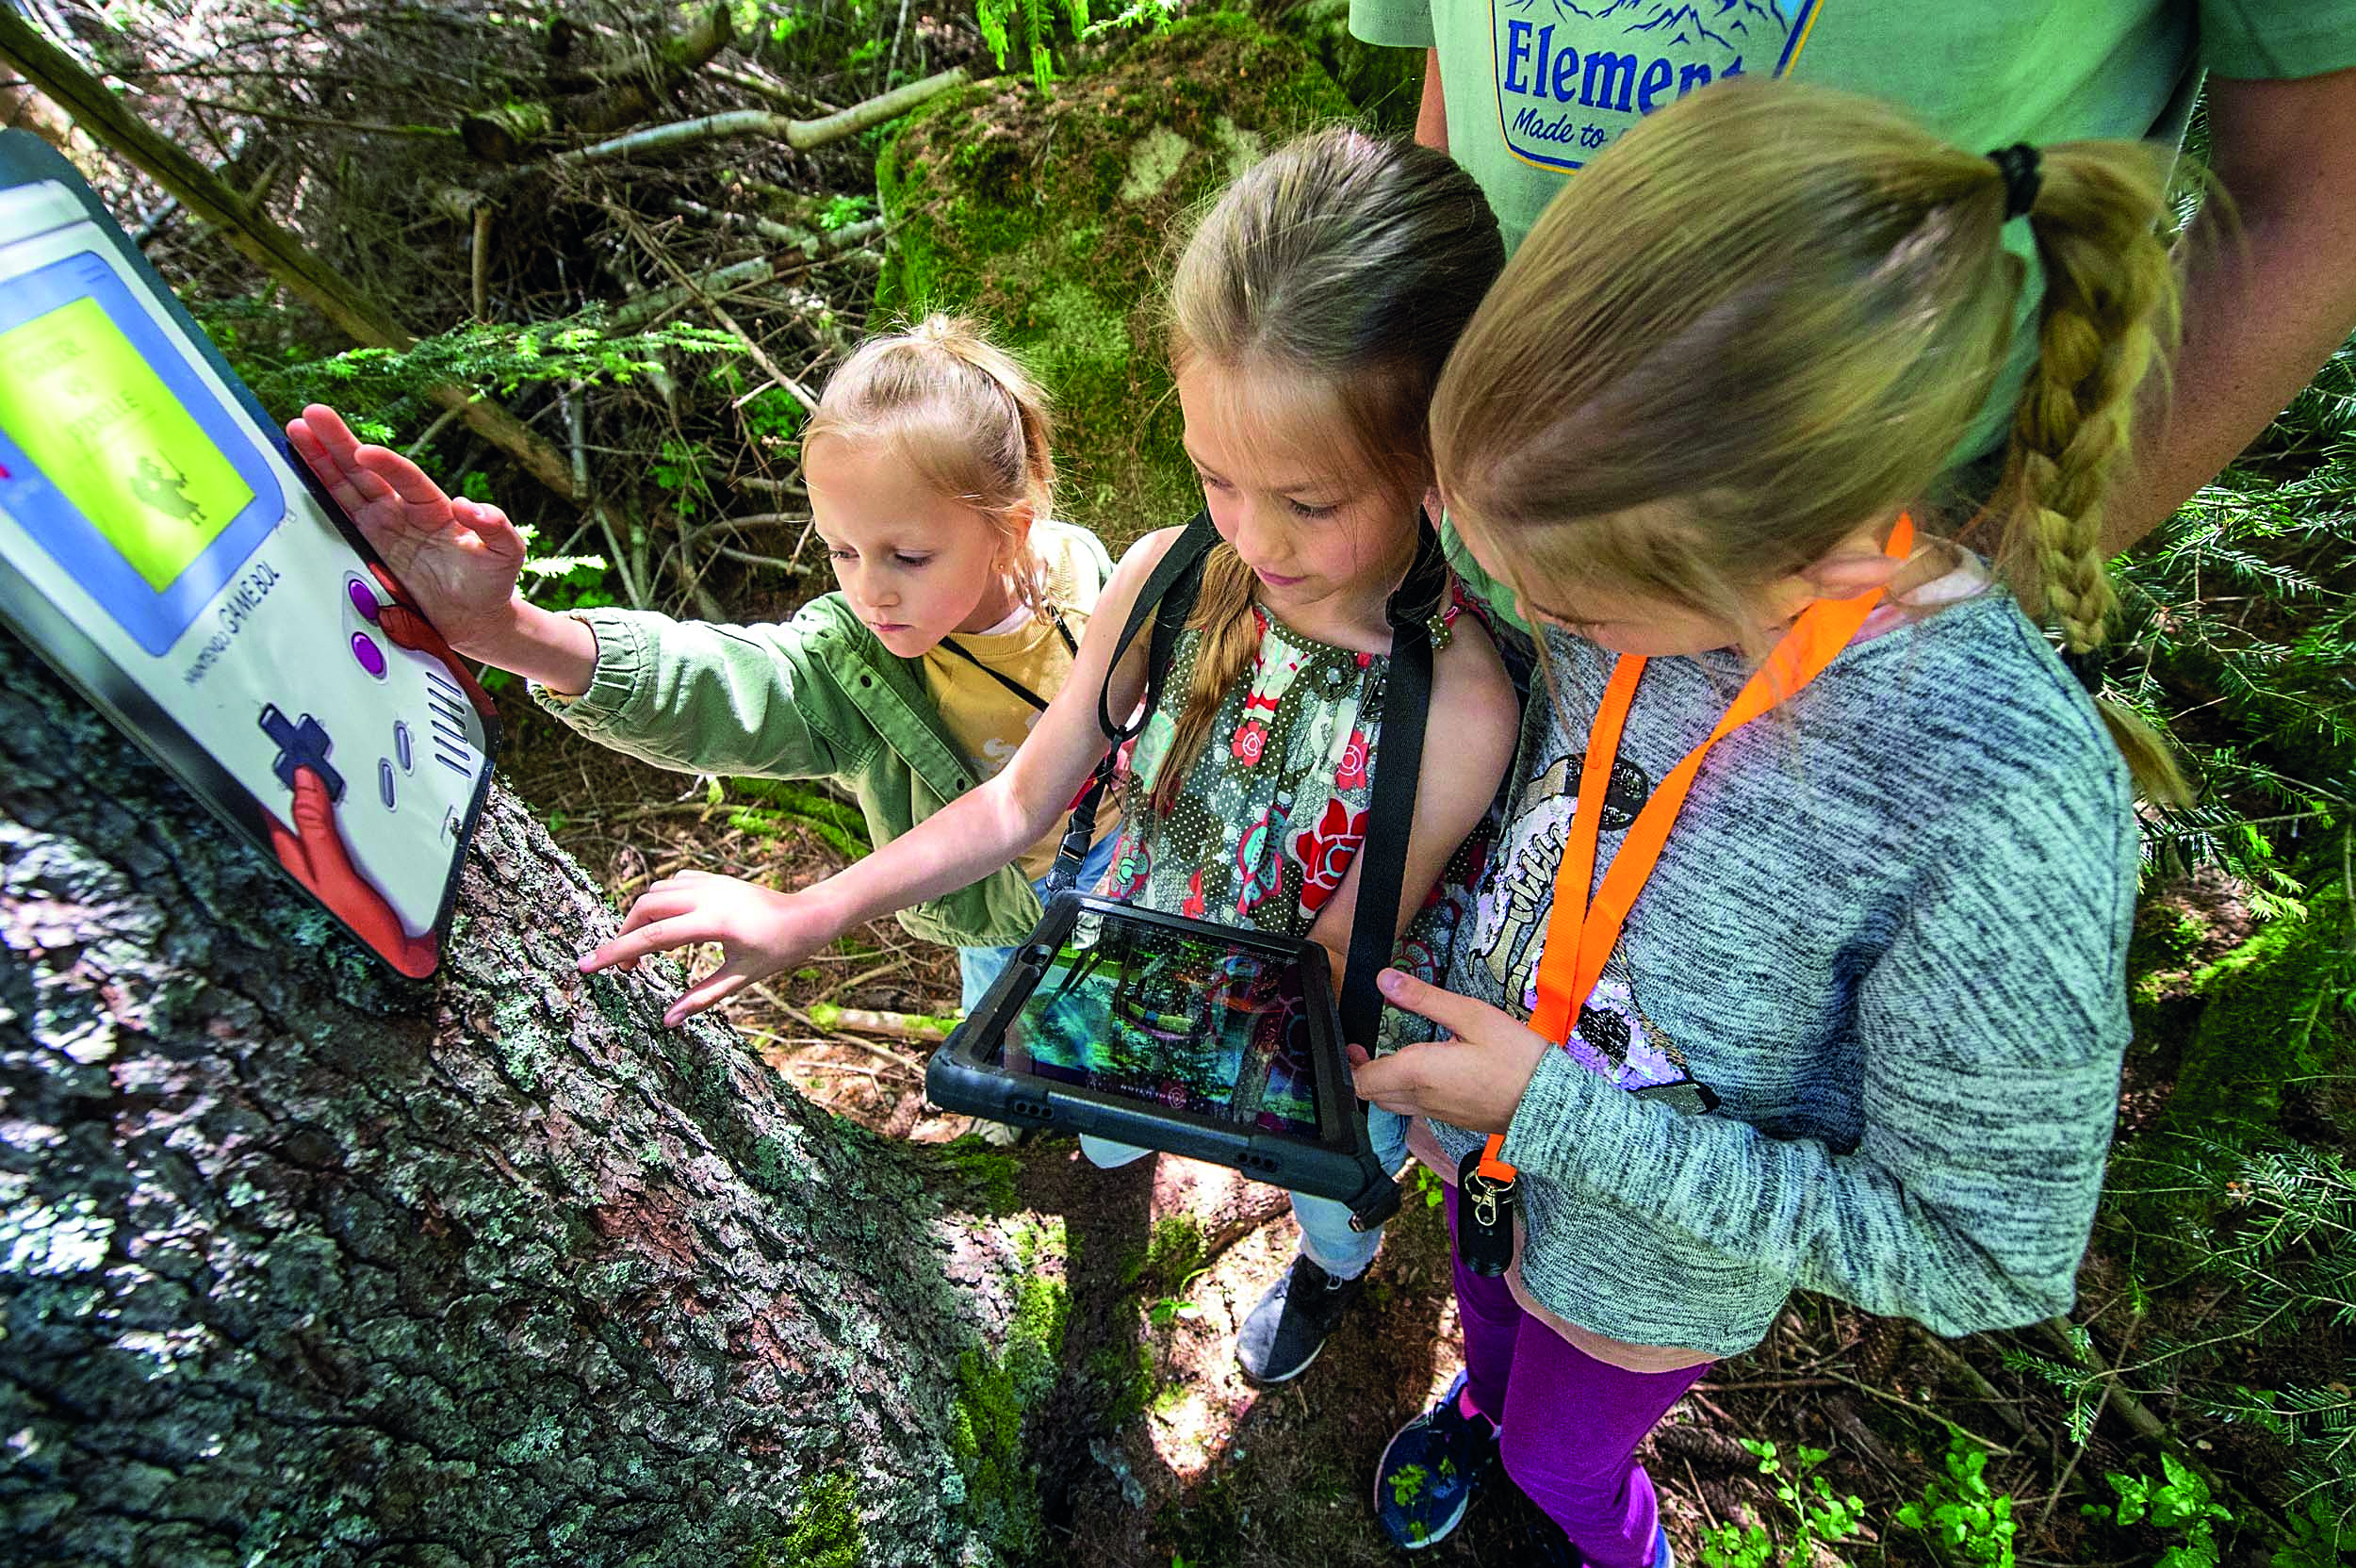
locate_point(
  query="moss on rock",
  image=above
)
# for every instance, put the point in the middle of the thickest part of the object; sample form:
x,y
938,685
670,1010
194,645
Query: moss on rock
x,y
1050,215
2279,1010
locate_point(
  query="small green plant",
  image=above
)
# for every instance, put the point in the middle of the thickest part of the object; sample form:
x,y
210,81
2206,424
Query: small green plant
x,y
678,469
1818,1518
2320,1538
1966,1522
843,209
2178,1503
1429,1186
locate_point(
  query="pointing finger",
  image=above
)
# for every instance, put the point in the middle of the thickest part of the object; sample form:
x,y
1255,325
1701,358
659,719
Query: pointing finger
x,y
661,937
716,989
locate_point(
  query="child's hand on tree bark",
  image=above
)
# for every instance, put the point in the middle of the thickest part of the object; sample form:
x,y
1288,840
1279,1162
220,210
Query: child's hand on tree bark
x,y
458,559
760,932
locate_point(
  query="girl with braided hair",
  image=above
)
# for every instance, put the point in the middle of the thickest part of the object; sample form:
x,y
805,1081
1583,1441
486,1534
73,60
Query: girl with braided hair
x,y
1829,992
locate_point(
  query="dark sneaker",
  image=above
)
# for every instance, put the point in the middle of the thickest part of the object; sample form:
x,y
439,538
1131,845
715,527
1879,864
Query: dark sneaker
x,y
1288,1329
1428,1474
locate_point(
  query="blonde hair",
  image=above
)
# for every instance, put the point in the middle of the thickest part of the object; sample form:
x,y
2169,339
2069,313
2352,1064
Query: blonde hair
x,y
1770,315
1336,274
966,416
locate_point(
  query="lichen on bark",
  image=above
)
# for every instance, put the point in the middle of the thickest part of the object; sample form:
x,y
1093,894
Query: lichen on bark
x,y
302,1262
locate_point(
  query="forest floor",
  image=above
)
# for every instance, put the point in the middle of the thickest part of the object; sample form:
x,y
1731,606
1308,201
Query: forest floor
x,y
335,118
1152,1449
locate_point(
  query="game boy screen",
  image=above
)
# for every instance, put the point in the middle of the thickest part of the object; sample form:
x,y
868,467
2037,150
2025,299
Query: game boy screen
x,y
90,413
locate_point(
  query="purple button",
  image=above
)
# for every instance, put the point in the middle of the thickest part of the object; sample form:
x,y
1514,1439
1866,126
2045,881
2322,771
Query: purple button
x,y
363,601
371,658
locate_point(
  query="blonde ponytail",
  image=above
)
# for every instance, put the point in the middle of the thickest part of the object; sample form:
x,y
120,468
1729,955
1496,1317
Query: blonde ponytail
x,y
967,416
2109,315
1230,638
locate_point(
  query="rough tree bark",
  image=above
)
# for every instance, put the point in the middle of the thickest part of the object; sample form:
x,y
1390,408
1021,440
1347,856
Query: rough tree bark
x,y
302,1262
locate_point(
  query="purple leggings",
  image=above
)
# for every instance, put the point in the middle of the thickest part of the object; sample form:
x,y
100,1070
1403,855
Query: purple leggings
x,y
1568,1424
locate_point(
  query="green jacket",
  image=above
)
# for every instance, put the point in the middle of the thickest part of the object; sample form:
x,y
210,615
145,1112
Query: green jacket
x,y
817,697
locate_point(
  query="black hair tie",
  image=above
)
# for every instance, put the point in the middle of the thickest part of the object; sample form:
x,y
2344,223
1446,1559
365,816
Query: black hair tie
x,y
2018,163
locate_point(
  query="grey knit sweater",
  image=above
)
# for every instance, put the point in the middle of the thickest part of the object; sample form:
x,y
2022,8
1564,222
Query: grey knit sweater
x,y
1888,932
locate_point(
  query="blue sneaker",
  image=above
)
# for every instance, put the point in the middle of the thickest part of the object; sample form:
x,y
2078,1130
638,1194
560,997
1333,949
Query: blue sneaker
x,y
1428,1472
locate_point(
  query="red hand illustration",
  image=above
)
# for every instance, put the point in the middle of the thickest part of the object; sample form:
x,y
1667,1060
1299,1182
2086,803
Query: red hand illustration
x,y
314,855
401,623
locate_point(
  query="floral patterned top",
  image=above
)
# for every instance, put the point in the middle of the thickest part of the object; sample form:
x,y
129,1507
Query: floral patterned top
x,y
1274,807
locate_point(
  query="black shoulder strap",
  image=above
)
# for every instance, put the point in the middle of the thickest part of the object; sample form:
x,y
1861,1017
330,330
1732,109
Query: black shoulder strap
x,y
1168,597
997,675
1398,763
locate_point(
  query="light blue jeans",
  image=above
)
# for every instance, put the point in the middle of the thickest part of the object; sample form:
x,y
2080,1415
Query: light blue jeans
x,y
1325,1230
978,967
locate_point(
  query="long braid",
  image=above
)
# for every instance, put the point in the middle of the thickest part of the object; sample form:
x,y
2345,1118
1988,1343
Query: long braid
x,y
1230,637
2109,310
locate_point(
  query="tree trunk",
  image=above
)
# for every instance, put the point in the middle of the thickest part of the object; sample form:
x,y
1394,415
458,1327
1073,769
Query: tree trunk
x,y
302,1262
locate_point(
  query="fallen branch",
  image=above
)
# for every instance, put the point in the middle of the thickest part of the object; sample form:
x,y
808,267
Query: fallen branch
x,y
766,87
2130,1410
255,236
801,134
660,301
813,244
481,259
1969,1374
866,1020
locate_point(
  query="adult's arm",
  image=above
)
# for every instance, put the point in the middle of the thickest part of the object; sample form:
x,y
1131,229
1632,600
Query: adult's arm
x,y
2267,294
1432,114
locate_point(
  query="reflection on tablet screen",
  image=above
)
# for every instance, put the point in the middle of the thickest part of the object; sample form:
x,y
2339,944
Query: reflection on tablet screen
x,y
1166,1018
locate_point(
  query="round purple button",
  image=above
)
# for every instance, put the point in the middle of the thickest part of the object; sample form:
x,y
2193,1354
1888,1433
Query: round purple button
x,y
371,658
363,599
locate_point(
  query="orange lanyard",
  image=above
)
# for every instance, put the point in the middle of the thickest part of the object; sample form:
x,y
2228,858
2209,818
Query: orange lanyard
x,y
1580,934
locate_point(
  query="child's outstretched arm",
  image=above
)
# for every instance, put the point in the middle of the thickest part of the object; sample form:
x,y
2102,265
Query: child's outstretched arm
x,y
458,559
761,931
1468,744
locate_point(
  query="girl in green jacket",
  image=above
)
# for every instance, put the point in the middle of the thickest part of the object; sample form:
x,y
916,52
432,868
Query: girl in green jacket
x,y
960,606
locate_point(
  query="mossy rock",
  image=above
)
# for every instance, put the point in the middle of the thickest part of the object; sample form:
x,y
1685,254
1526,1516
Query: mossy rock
x,y
2278,1012
1385,85
1049,215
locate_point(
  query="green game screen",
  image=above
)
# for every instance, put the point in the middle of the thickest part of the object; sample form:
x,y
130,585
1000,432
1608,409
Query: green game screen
x,y
100,424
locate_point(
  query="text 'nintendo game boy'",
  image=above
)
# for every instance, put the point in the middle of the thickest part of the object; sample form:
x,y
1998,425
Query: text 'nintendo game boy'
x,y
160,548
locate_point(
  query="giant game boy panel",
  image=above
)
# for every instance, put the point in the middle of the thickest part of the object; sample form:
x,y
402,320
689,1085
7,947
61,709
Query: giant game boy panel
x,y
161,549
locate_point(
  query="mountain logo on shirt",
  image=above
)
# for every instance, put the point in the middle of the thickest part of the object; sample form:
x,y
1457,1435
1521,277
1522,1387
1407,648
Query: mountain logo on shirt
x,y
1571,77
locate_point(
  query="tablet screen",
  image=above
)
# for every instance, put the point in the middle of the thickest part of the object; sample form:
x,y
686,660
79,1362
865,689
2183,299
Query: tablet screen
x,y
1173,1019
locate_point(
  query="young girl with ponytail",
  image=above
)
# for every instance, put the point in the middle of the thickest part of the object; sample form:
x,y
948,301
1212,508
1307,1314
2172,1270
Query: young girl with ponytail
x,y
1310,315
1816,892
962,603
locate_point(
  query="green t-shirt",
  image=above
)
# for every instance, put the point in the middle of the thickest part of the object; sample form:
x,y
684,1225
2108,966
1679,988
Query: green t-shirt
x,y
1536,88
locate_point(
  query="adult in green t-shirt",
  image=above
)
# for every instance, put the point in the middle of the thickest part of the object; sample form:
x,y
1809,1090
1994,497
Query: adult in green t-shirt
x,y
1523,92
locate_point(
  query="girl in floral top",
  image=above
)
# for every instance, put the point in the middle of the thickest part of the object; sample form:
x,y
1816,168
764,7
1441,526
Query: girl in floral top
x,y
1309,316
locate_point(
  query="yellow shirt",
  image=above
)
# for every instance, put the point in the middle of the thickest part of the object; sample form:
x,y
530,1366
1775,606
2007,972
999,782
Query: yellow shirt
x,y
986,720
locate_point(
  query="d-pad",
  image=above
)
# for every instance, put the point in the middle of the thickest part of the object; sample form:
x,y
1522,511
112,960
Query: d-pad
x,y
302,745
